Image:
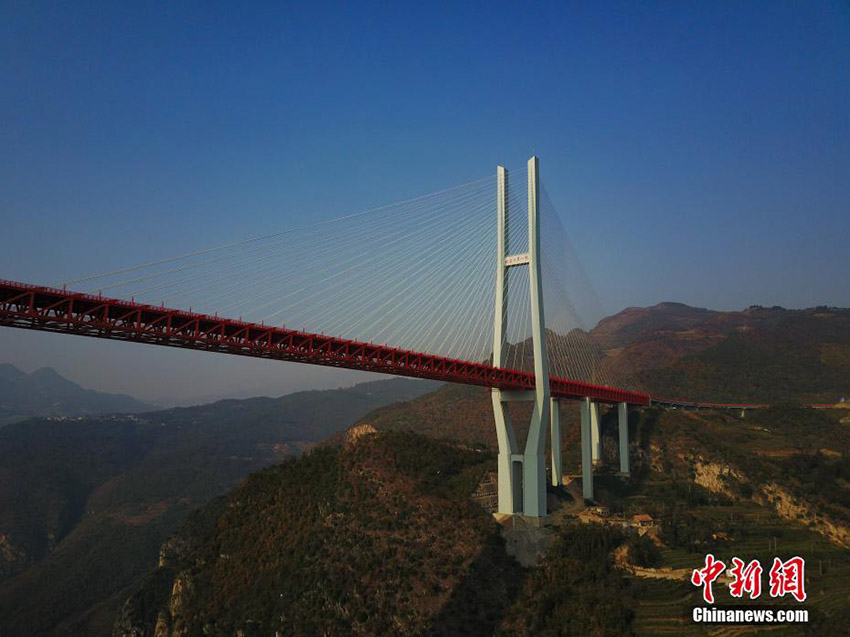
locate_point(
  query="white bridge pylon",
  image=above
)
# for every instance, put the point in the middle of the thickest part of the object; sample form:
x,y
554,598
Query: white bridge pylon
x,y
522,474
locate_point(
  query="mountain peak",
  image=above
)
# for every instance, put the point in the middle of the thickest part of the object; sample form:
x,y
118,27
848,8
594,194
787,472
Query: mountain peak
x,y
47,372
9,372
45,392
622,327
667,306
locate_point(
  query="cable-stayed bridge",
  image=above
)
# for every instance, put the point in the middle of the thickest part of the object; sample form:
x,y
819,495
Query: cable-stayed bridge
x,y
477,284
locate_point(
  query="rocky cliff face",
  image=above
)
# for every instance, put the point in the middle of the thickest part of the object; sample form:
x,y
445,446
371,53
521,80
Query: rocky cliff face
x,y
795,509
718,477
158,610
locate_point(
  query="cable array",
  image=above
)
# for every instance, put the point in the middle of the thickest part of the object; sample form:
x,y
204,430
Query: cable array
x,y
571,308
418,275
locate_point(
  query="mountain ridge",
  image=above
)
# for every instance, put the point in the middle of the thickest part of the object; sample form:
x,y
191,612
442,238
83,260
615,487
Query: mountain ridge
x,y
46,393
758,354
100,494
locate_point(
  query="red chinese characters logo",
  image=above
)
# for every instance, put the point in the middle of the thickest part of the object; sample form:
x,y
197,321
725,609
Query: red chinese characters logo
x,y
745,578
706,575
788,577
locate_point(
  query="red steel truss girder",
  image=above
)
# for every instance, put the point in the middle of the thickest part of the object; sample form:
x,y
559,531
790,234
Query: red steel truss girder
x,y
53,310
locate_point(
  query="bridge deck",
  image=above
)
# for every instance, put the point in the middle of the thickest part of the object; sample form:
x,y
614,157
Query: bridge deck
x,y
53,310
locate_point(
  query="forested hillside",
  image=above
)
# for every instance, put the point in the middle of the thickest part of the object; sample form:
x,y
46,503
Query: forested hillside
x,y
378,534
375,537
85,503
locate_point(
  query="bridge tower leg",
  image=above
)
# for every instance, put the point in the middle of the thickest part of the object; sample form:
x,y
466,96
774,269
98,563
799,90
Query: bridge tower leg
x,y
595,437
586,453
522,477
534,474
510,479
555,438
623,426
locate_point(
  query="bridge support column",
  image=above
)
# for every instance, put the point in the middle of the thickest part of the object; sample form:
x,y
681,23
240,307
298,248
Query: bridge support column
x,y
525,474
586,453
595,437
555,439
623,426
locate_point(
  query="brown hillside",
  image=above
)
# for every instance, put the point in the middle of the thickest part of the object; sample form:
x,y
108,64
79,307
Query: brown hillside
x,y
759,354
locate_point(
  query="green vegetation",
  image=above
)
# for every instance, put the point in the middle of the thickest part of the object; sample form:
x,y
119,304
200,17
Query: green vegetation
x,y
822,477
381,534
383,539
643,552
576,590
787,445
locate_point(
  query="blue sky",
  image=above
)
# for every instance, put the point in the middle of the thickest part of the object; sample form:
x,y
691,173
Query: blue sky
x,y
697,151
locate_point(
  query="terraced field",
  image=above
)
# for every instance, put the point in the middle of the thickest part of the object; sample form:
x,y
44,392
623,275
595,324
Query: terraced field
x,y
693,520
664,606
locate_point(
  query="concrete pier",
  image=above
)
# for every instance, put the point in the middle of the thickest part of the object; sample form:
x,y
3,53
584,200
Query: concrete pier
x,y
586,453
555,438
623,425
595,434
